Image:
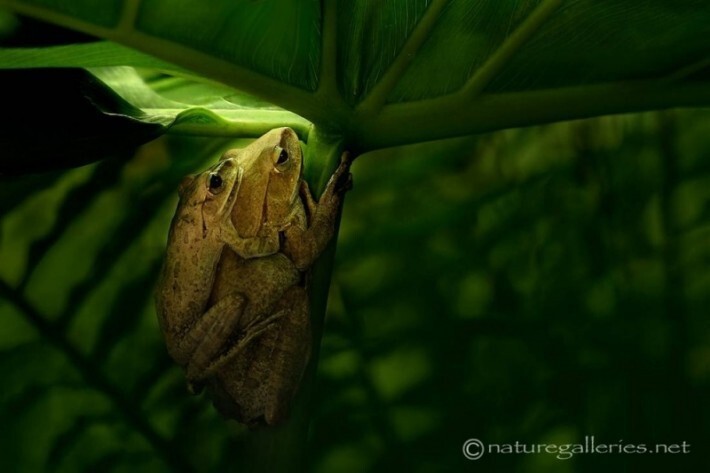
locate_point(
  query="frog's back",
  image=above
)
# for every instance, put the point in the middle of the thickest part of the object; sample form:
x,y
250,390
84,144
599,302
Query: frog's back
x,y
186,278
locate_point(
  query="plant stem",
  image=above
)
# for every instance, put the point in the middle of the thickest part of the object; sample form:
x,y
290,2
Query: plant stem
x,y
283,448
447,116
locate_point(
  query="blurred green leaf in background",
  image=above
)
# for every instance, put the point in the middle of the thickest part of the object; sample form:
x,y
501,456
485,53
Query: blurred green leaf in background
x,y
535,285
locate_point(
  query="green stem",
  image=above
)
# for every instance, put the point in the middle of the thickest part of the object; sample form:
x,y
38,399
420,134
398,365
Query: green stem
x,y
283,448
448,116
322,157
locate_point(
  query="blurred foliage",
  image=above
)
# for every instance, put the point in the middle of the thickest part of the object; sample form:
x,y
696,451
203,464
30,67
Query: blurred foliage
x,y
536,285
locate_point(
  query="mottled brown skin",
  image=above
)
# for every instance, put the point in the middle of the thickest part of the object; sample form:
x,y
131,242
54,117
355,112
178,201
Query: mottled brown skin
x,y
200,230
257,380
232,298
202,227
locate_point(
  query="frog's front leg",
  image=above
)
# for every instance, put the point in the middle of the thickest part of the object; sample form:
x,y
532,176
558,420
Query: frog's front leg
x,y
202,342
303,246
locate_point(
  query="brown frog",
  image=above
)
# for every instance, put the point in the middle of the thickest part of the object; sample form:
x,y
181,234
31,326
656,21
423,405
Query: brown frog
x,y
232,301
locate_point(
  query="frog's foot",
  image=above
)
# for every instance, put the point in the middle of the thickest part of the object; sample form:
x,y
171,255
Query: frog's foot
x,y
343,178
344,183
252,331
207,337
339,183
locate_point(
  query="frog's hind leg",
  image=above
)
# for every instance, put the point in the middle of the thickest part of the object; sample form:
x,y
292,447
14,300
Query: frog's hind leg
x,y
207,337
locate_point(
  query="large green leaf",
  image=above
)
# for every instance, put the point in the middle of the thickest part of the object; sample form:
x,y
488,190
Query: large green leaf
x,y
195,107
387,73
69,117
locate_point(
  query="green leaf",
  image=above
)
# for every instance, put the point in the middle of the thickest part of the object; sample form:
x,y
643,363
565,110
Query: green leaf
x,y
94,54
116,109
196,107
406,71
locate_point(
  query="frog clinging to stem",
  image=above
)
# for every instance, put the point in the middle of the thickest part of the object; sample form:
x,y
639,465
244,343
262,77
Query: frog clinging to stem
x,y
232,296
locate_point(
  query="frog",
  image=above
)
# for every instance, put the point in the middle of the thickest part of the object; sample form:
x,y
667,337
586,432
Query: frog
x,y
232,297
201,228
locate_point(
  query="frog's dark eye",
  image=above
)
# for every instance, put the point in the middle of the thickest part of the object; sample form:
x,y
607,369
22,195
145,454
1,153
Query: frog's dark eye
x,y
215,182
283,157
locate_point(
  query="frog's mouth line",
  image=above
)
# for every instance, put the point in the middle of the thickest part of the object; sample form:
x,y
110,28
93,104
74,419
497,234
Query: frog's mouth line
x,y
232,198
228,203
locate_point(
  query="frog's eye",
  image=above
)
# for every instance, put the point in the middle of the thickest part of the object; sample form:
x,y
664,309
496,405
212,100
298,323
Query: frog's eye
x,y
283,157
215,182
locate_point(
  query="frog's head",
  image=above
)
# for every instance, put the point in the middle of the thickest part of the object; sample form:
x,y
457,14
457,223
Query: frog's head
x,y
271,175
207,196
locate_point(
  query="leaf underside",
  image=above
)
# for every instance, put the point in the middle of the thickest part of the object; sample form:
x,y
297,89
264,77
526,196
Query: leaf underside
x,y
389,73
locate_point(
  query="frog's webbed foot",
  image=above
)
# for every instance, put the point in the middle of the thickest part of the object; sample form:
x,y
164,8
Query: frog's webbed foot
x,y
340,182
251,332
207,337
343,177
344,184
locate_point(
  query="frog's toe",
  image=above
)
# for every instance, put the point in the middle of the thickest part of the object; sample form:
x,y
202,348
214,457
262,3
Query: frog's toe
x,y
346,158
346,183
